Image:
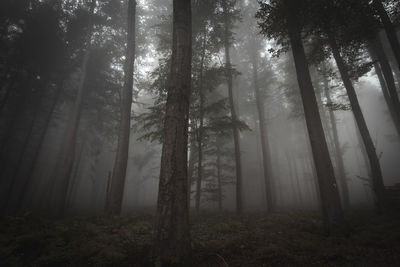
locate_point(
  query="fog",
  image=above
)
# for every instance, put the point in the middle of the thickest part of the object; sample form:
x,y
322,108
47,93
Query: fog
x,y
291,160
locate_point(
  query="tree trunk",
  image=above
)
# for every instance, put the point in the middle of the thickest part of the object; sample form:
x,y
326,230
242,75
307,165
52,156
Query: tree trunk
x,y
377,179
172,237
331,206
385,92
219,175
200,135
389,29
266,156
66,158
234,118
192,159
338,151
114,205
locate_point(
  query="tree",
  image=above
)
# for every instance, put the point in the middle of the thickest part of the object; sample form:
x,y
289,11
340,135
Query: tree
x,y
66,158
362,125
254,46
377,53
228,22
114,203
172,237
271,25
389,29
330,20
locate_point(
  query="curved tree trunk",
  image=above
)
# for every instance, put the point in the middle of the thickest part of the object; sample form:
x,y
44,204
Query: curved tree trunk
x,y
172,237
114,203
330,201
377,179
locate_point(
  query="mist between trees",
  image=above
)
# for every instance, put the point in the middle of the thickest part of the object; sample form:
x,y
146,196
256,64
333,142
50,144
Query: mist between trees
x,y
178,107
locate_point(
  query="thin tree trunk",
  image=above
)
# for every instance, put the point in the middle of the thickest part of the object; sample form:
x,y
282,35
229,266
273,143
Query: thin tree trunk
x,y
338,151
172,237
66,158
219,174
200,135
234,118
389,29
266,156
114,206
192,159
72,188
331,206
377,178
295,198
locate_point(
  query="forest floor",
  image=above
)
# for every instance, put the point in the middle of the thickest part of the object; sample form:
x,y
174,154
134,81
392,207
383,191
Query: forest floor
x,y
291,239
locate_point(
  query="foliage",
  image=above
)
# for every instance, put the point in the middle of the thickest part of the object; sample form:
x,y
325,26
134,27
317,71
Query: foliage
x,y
218,240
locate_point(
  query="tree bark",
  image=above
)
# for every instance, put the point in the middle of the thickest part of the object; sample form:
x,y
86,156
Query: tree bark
x,y
172,237
389,29
66,158
114,205
330,201
234,118
266,156
377,179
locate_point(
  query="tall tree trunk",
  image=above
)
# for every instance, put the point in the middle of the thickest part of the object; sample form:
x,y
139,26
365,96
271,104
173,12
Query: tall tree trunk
x,y
332,211
234,118
338,151
266,156
200,130
172,236
114,205
389,29
377,178
385,92
66,158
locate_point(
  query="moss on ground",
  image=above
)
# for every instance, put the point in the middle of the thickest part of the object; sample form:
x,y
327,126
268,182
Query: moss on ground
x,y
218,240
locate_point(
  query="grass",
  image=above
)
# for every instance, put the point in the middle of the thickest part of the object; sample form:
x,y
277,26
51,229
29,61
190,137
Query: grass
x,y
291,239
